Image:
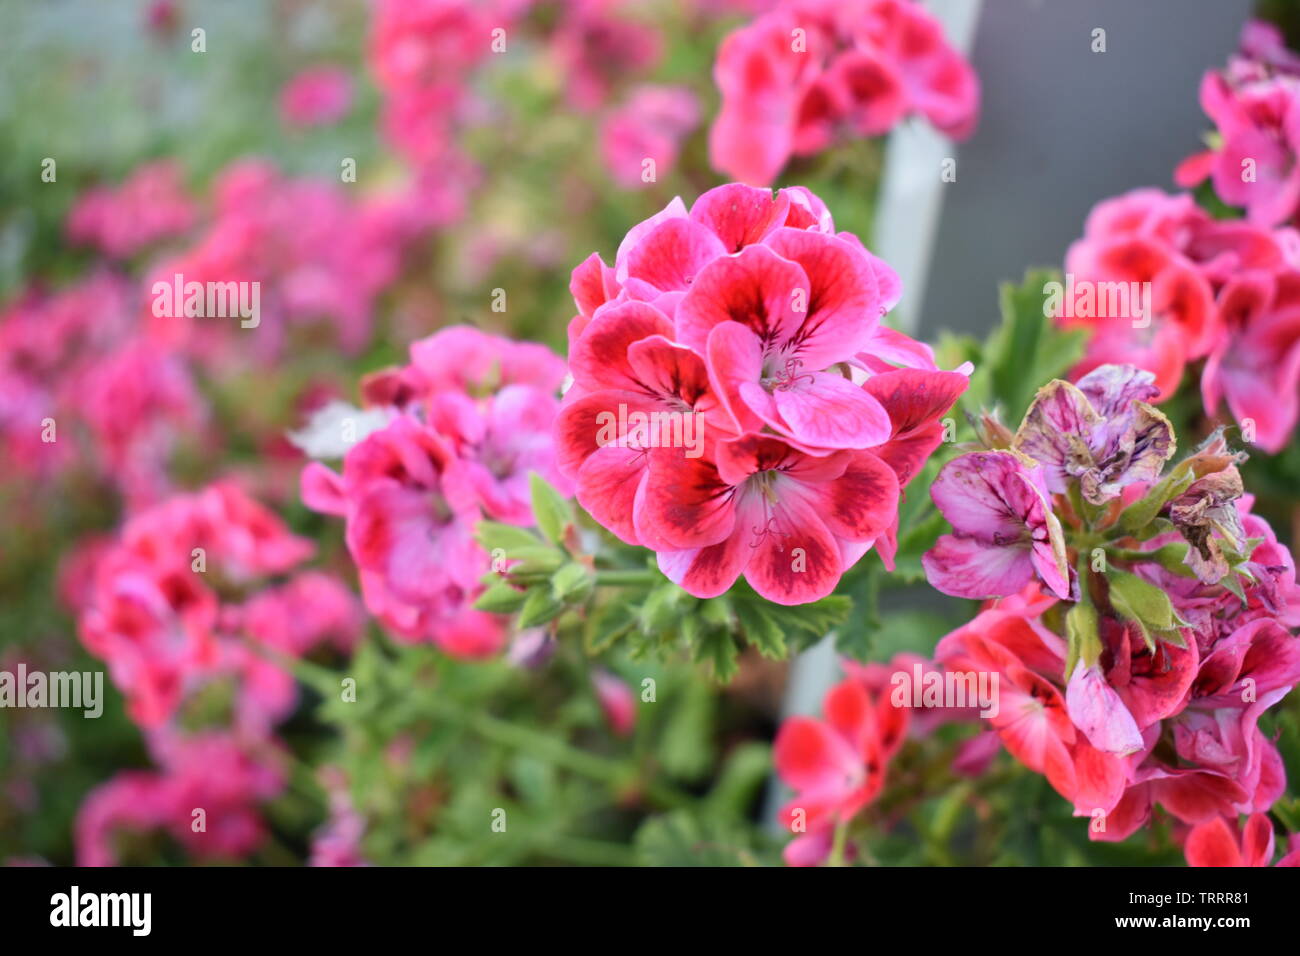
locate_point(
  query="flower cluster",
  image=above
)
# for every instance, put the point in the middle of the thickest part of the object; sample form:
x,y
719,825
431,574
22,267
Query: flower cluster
x,y
310,252
736,404
802,75
1255,106
444,441
79,387
1224,291
641,138
836,765
173,607
159,605
426,53
151,205
204,796
1145,615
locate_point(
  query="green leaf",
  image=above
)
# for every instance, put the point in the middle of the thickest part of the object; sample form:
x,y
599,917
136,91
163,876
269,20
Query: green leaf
x,y
501,598
550,508
572,583
761,629
1143,603
1027,348
1142,512
719,650
539,607
493,536
1084,639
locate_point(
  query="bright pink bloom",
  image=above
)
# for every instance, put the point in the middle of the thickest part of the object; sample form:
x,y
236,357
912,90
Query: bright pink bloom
x,y
1217,842
316,97
468,420
733,394
311,609
1257,369
149,206
649,126
836,765
790,522
212,774
1255,105
798,77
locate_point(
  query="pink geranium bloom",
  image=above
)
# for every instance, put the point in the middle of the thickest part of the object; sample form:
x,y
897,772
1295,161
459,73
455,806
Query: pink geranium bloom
x,y
649,126
836,765
149,206
1257,369
1218,842
410,513
625,364
797,78
499,442
617,702
213,772
1004,532
316,97
771,320
311,609
790,522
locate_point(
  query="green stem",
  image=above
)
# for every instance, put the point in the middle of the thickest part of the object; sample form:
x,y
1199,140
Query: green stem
x,y
624,577
560,753
839,844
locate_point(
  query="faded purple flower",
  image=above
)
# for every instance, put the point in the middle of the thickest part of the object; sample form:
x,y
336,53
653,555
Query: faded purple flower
x,y
1100,432
1004,531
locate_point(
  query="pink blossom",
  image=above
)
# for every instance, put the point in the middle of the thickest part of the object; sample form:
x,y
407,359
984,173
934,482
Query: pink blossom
x,y
149,206
316,97
1004,531
617,702
650,126
798,78
837,765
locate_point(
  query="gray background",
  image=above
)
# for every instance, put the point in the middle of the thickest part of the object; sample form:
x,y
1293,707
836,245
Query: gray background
x,y
1063,127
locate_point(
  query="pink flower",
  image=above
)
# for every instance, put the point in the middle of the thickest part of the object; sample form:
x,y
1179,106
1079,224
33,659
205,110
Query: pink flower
x,y
798,77
790,522
152,616
316,97
617,702
1005,533
1217,842
836,765
210,777
595,43
467,421
1255,104
734,396
650,126
311,609
149,206
1257,368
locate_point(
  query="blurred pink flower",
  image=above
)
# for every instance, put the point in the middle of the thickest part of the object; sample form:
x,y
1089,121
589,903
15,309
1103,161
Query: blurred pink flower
x,y
650,125
316,97
149,206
